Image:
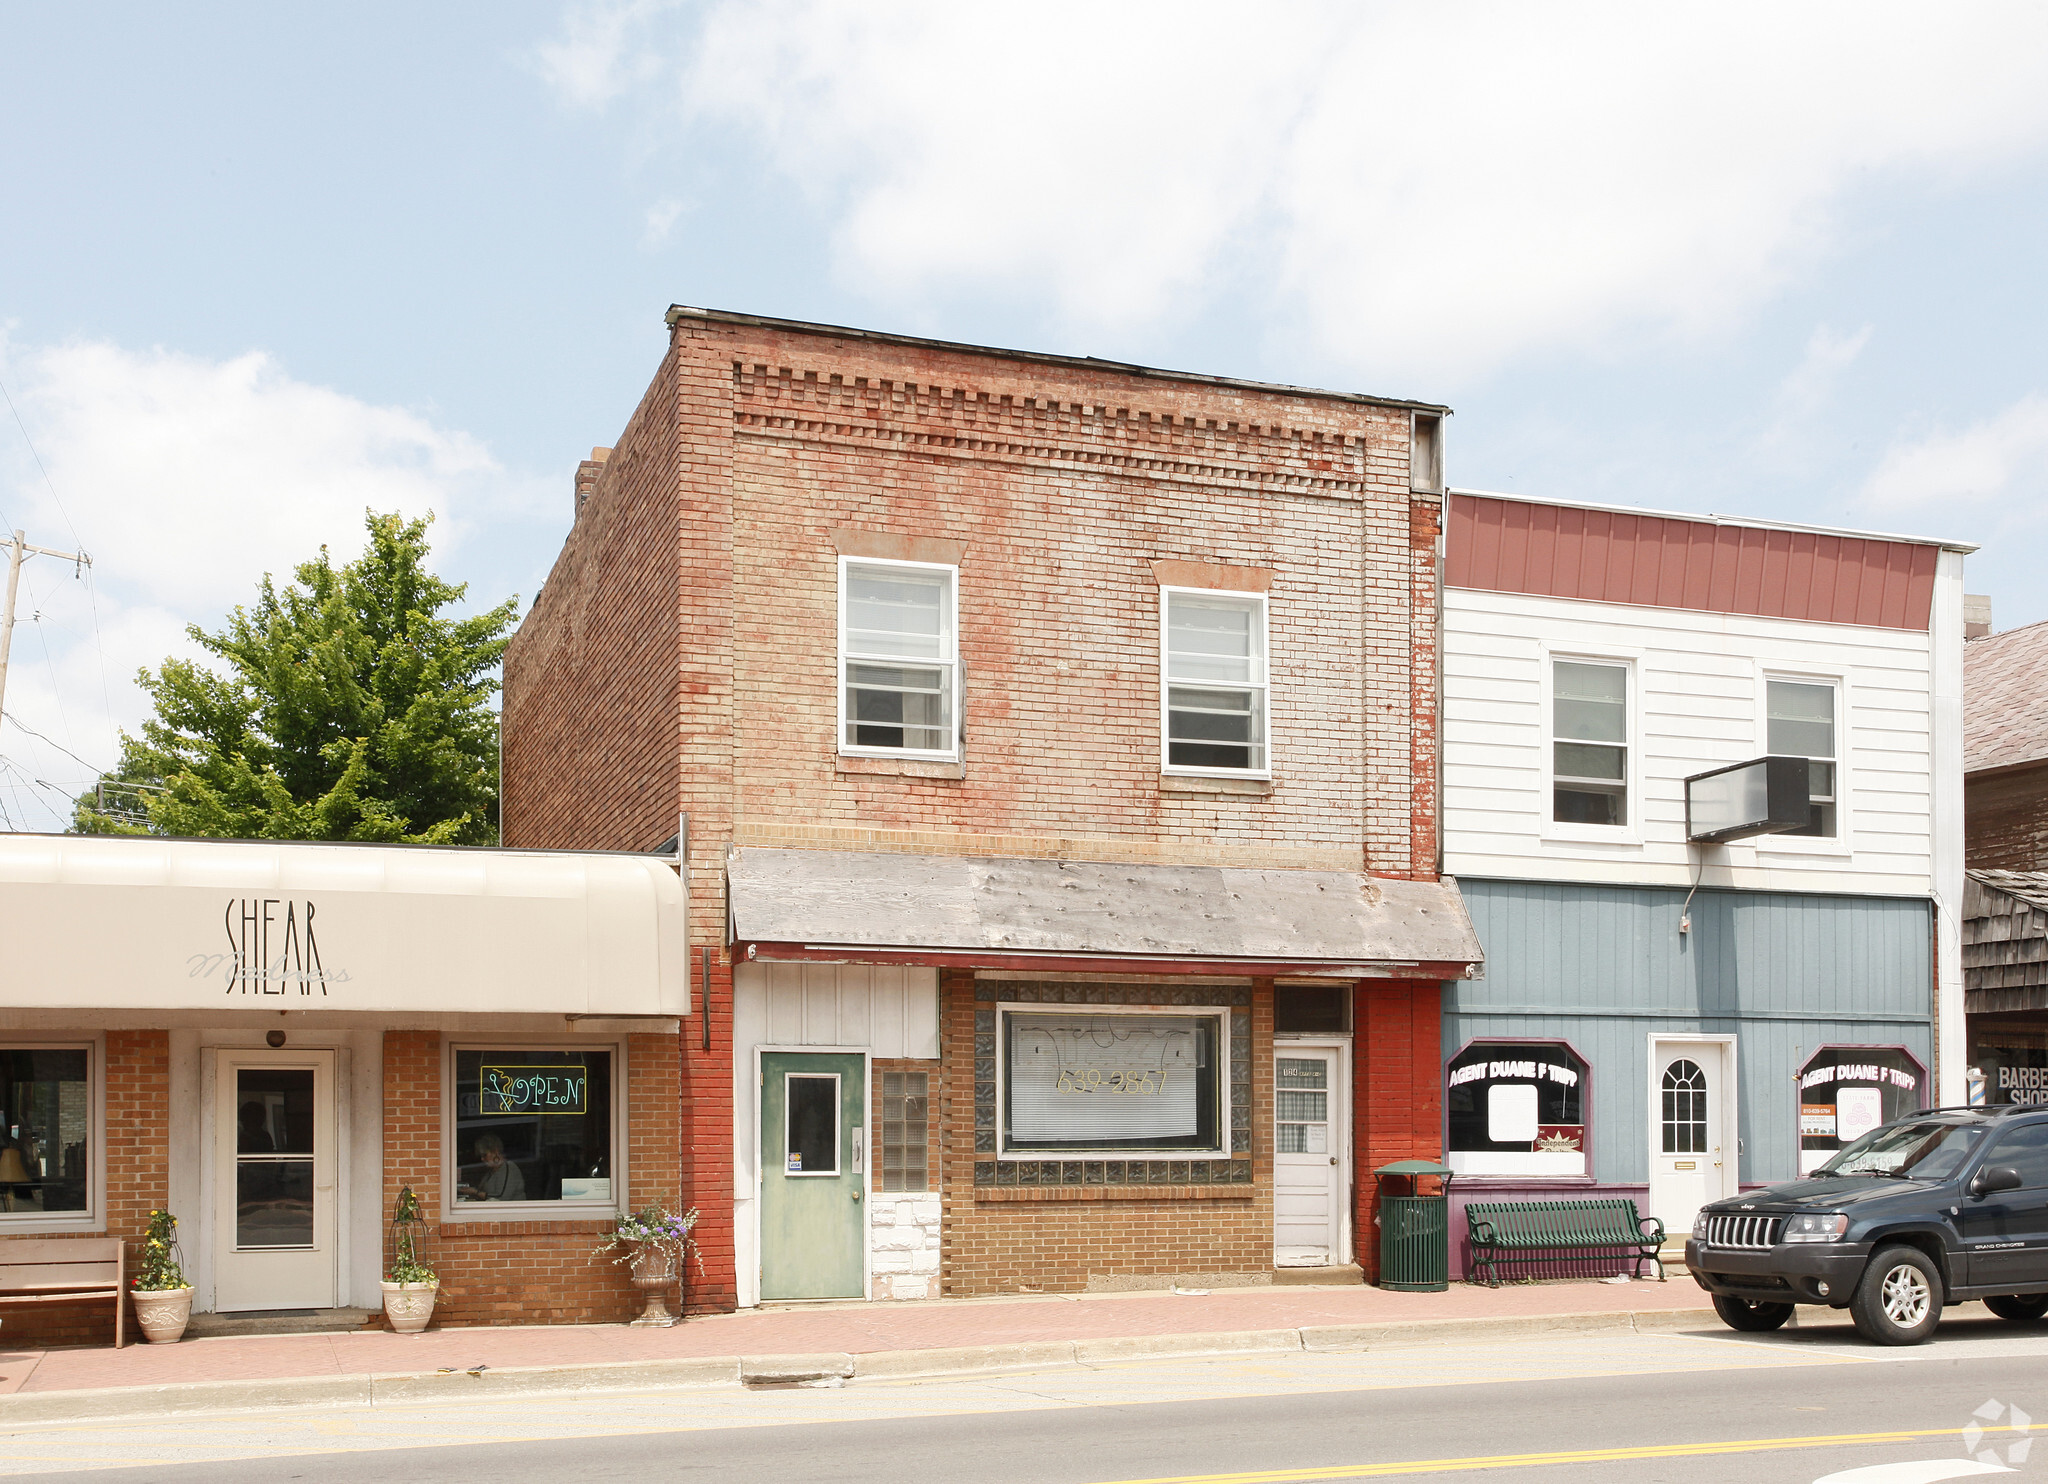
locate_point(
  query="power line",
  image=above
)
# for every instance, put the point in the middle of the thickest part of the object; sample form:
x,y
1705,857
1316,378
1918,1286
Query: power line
x,y
91,594
24,726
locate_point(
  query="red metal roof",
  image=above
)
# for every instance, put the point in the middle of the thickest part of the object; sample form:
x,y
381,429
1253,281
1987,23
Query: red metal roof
x,y
1615,556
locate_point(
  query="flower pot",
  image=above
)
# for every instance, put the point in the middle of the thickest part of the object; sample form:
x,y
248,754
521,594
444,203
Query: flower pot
x,y
654,1271
162,1313
408,1306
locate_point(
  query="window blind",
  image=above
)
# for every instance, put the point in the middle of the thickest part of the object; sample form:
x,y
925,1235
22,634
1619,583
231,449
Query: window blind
x,y
1103,1077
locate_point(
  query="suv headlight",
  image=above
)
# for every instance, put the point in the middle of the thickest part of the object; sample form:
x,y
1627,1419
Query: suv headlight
x,y
1816,1228
1699,1226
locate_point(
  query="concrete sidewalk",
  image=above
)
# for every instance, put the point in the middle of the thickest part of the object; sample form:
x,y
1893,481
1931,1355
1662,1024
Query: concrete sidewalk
x,y
794,1344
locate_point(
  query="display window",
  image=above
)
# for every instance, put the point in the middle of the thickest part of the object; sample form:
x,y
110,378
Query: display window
x,y
2012,1056
534,1127
1846,1091
1114,1080
47,1134
1516,1108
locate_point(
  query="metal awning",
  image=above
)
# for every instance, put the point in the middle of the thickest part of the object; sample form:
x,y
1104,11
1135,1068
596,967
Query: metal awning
x,y
999,911
114,922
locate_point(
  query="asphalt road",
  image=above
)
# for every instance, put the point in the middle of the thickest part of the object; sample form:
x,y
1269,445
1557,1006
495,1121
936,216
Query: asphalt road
x,y
1708,1406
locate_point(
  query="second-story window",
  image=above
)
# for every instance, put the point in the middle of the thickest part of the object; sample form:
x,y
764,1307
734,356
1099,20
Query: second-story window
x,y
898,658
1589,742
1800,722
1215,681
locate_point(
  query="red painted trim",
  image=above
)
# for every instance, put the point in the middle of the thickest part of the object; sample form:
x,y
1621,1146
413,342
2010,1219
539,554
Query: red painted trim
x,y
1565,551
1083,963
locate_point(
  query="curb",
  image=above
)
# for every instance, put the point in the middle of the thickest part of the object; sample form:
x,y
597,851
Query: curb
x,y
830,1368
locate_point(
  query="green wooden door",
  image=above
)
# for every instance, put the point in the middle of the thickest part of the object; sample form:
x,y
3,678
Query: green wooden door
x,y
813,1178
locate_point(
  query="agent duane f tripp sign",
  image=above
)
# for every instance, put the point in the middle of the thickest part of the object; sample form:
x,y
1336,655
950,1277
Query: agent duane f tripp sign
x,y
93,922
273,948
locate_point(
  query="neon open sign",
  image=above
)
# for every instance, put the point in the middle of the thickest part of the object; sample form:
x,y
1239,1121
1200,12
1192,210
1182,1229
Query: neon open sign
x,y
531,1090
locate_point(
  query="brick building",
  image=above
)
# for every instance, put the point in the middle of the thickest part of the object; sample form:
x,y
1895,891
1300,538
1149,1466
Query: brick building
x,y
269,1039
1052,744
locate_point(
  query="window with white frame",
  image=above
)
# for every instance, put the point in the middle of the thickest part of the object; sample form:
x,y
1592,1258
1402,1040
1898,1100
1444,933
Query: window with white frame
x,y
1589,742
1800,722
47,1139
899,663
1214,681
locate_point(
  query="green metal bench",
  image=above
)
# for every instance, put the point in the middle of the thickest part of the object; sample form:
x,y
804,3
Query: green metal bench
x,y
1527,1231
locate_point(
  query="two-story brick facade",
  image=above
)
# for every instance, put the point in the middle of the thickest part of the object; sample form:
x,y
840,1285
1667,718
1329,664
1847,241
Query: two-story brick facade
x,y
1053,747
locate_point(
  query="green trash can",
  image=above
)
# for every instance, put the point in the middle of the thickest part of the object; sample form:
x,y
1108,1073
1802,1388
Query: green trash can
x,y
1415,1229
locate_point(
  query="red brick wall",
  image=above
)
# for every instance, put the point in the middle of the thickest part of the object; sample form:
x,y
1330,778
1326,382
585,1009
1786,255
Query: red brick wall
x,y
138,1155
1069,1238
705,1125
525,1272
2005,820
683,652
591,678
1398,1091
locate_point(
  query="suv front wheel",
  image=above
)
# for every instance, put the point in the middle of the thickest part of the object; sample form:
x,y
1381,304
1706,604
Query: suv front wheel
x,y
1899,1300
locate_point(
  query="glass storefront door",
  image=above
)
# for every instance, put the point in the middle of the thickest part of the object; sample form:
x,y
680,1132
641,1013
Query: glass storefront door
x,y
274,1180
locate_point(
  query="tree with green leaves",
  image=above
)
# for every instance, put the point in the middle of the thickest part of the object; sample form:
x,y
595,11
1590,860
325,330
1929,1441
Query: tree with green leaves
x,y
353,708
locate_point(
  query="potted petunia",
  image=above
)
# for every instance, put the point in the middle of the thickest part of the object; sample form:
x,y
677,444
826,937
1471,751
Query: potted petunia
x,y
163,1299
410,1286
654,1240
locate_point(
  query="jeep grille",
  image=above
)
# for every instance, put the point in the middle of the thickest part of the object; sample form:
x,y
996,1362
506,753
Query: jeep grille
x,y
1744,1231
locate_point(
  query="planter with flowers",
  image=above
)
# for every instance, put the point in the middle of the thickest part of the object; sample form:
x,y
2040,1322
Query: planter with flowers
x,y
163,1299
410,1286
652,1243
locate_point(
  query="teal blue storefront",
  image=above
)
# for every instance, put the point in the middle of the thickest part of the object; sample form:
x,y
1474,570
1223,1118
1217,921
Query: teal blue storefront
x,y
1821,1004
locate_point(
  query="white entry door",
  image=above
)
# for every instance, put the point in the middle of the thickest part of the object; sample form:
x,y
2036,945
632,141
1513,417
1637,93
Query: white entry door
x,y
274,1180
1692,1138
1311,1131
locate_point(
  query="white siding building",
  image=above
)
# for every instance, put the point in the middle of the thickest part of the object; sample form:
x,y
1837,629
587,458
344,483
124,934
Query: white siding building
x,y
1662,1017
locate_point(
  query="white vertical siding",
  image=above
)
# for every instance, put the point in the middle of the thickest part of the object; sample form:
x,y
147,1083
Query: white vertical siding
x,y
892,1011
1698,703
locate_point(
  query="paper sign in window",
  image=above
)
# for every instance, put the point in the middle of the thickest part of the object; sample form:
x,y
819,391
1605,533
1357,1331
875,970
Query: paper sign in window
x,y
1511,1115
1858,1110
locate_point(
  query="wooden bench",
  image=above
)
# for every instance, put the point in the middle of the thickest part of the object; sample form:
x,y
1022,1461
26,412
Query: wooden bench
x,y
1525,1231
66,1270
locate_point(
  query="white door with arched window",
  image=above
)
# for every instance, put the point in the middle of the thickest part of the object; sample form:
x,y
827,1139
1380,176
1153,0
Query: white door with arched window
x,y
1693,1147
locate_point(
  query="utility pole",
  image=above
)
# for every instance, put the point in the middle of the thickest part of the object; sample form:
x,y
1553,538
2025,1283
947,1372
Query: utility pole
x,y
19,551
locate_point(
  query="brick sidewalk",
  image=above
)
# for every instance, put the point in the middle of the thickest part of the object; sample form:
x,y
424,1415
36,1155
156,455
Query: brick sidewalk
x,y
852,1328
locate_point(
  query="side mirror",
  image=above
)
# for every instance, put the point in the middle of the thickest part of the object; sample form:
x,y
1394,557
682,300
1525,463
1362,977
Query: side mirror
x,y
1994,1178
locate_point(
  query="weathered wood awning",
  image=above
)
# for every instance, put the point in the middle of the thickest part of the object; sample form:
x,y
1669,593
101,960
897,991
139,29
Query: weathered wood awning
x,y
2005,941
1006,912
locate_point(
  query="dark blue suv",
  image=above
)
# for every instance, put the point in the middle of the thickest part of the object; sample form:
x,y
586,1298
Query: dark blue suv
x,y
1929,1210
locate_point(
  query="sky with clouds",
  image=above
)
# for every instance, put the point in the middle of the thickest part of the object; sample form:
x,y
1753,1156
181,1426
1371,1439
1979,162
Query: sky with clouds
x,y
263,266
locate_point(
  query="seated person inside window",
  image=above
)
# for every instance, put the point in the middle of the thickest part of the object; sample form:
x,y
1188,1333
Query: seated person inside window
x,y
499,1179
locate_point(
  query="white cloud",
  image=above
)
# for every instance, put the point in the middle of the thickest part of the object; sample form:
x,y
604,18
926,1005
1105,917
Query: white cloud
x,y
1999,462
661,221
601,52
1426,192
187,479
1828,354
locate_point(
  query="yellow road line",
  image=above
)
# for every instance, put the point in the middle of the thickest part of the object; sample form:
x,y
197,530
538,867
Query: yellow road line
x,y
1543,1460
